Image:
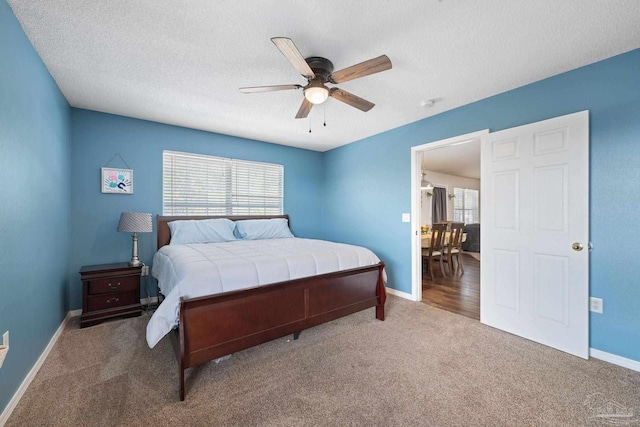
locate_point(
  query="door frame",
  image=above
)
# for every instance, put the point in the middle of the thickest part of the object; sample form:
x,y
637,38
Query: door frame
x,y
416,169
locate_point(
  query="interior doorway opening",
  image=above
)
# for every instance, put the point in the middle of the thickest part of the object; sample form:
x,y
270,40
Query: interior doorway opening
x,y
450,167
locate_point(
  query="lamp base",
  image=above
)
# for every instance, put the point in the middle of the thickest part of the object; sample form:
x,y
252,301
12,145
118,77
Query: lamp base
x,y
135,261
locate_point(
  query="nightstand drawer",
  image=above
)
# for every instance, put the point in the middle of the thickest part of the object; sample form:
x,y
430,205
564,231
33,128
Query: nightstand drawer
x,y
113,284
112,300
109,291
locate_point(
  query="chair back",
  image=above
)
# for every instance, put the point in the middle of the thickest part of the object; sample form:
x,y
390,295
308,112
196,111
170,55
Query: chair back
x,y
455,239
437,237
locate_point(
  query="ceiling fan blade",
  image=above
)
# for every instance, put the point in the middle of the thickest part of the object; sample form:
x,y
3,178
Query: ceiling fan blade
x,y
372,66
291,52
351,99
257,89
304,110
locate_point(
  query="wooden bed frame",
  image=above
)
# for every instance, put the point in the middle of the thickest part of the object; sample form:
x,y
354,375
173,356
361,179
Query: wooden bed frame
x,y
214,326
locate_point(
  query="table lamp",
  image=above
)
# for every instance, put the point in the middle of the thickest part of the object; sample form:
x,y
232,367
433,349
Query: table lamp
x,y
135,222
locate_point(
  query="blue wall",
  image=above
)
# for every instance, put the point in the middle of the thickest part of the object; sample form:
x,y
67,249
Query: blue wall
x,y
51,157
97,137
35,162
367,184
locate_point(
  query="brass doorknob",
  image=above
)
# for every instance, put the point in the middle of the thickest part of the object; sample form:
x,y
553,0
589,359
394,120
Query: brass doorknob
x,y
577,247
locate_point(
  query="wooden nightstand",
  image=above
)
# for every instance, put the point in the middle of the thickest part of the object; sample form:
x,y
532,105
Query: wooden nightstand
x,y
109,291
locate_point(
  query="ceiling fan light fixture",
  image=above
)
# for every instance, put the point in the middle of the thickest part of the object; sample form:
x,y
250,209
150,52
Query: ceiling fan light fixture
x,y
316,94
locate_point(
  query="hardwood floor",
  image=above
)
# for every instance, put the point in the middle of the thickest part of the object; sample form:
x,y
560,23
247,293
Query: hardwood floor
x,y
458,294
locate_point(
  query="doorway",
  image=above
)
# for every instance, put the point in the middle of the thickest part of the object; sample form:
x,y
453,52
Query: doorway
x,y
417,154
450,192
535,185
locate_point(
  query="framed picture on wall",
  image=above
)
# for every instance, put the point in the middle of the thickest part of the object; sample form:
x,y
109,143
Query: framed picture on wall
x,y
118,181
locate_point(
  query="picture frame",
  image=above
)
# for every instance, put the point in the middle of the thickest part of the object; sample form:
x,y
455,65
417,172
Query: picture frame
x,y
119,181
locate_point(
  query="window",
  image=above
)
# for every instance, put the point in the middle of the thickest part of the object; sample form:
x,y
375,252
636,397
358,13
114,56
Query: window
x,y
196,184
465,205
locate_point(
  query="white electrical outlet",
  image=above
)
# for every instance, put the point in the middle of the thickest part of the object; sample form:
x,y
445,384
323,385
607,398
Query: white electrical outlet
x,y
595,305
145,270
5,339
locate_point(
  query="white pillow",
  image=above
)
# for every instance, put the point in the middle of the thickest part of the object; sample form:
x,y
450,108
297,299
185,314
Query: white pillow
x,y
254,229
201,231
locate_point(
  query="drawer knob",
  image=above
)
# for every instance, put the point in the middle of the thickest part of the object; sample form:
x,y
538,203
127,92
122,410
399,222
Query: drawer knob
x,y
110,300
112,286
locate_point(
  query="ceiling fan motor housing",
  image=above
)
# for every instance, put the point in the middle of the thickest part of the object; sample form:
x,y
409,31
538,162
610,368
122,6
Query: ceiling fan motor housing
x,y
322,67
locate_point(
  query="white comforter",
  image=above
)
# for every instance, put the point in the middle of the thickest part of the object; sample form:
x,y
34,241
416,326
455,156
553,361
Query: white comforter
x,y
208,268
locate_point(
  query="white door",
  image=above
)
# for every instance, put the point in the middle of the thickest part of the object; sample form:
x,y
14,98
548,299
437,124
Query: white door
x,y
535,206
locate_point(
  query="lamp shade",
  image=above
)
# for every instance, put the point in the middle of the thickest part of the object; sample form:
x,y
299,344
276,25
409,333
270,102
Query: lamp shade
x,y
135,222
425,184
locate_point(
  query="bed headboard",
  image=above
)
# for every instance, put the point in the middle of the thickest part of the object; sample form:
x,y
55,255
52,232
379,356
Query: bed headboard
x,y
164,234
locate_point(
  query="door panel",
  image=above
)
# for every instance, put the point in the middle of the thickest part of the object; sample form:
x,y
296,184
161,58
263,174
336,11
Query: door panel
x,y
507,293
551,285
551,198
505,207
535,198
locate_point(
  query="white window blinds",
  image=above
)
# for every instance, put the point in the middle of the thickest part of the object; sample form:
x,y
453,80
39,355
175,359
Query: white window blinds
x,y
195,184
465,205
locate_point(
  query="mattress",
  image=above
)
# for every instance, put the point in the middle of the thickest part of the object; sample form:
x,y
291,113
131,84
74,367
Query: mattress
x,y
201,269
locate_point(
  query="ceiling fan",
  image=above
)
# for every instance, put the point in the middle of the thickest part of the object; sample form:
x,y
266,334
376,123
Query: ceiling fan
x,y
318,72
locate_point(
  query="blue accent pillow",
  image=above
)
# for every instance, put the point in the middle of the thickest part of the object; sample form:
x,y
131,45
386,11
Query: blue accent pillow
x,y
201,231
255,229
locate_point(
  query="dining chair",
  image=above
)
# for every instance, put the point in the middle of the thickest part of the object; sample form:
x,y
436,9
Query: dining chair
x,y
453,248
434,251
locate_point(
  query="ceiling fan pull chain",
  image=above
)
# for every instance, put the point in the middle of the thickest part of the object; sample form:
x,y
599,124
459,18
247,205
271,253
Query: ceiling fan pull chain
x,y
324,111
309,124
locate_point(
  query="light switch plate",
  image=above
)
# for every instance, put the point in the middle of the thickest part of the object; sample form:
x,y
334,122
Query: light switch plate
x,y
406,217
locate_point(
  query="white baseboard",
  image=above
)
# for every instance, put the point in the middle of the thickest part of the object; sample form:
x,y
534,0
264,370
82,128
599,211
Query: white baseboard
x,y
399,294
616,360
6,413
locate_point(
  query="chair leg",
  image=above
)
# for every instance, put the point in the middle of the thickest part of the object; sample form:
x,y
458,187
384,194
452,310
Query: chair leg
x,y
430,261
452,271
444,274
460,266
426,267
447,259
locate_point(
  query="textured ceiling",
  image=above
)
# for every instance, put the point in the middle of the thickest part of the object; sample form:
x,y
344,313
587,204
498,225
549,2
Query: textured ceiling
x,y
182,62
460,159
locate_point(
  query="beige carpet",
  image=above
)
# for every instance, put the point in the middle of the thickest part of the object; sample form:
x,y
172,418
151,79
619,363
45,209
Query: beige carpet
x,y
420,367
